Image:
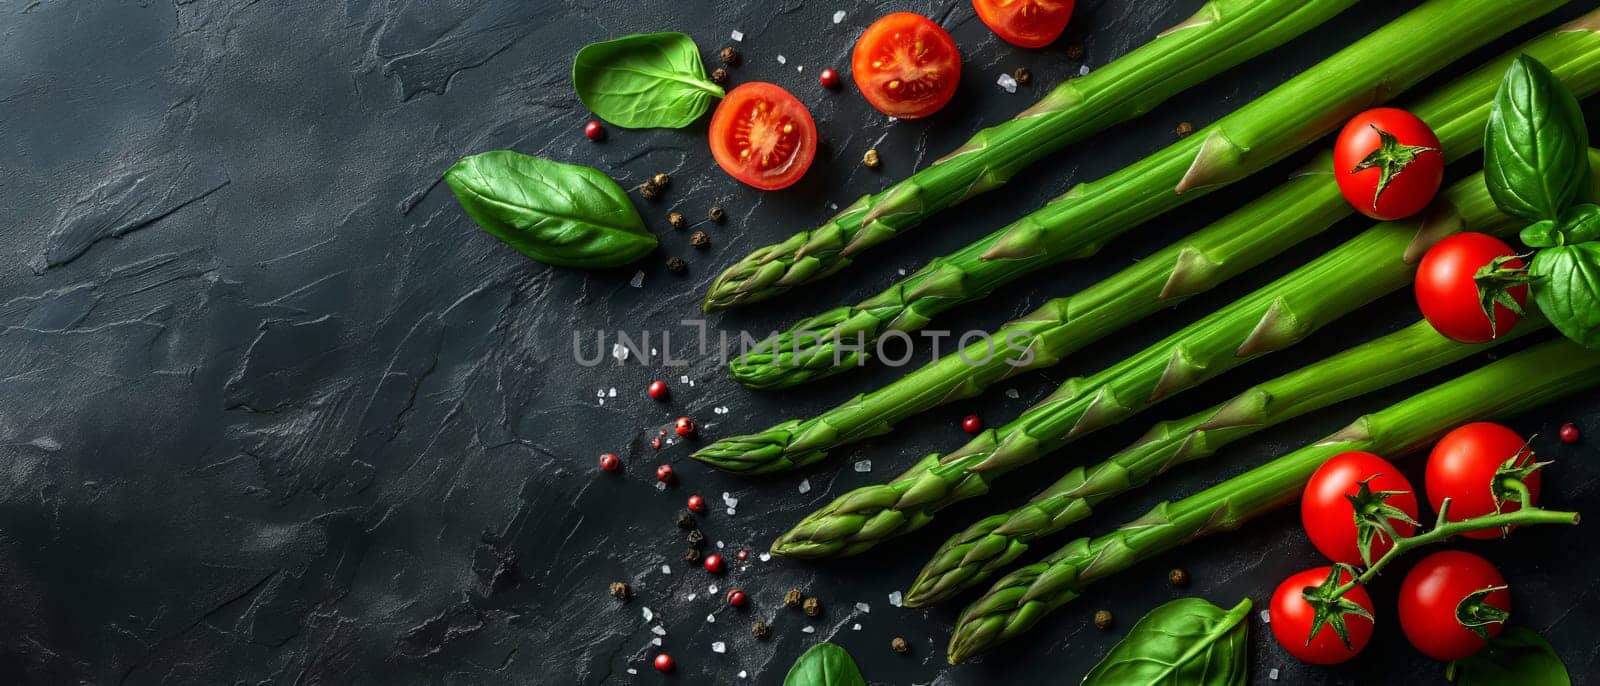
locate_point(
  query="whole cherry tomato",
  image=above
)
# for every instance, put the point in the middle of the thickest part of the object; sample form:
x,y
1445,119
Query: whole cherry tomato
x,y
1431,604
1292,618
1463,467
1388,163
1447,287
1329,516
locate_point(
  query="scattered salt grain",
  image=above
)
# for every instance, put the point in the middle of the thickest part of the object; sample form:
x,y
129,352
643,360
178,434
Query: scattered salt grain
x,y
655,641
766,557
864,466
653,352
902,272
808,630
683,379
799,67
732,512
692,596
729,500
1273,674
712,589
719,647
637,280
658,630
743,674
896,598
719,545
648,615
838,16
600,393
1083,70
666,569
1012,393
711,619
1266,617
661,485
737,35
863,607
1007,82
805,486
632,670
855,627
612,393
782,59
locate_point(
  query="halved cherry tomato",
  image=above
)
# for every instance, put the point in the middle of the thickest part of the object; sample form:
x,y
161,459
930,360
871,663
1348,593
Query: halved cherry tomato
x,y
906,66
1431,612
1447,287
1329,514
1387,163
1027,23
1465,467
763,136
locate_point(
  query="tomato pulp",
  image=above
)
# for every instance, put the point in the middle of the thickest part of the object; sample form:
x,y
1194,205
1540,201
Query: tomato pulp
x,y
762,135
906,66
1026,23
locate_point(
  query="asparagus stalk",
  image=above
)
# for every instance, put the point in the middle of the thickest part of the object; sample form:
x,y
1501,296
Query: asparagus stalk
x,y
1074,226
994,542
1274,317
1221,35
1515,384
1301,207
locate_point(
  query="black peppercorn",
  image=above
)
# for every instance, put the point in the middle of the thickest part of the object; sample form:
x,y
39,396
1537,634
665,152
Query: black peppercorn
x,y
717,214
760,630
685,520
1102,620
812,607
1177,577
699,239
695,538
677,220
792,598
1022,76
661,180
1183,129
649,190
676,265
1075,51
719,76
619,590
899,645
871,159
691,554
729,56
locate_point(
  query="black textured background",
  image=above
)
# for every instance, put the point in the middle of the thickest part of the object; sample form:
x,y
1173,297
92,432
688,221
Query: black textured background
x,y
272,410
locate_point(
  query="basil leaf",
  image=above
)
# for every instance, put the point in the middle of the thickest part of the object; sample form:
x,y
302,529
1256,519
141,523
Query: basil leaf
x,y
644,80
1187,642
1581,224
1535,148
1569,290
1517,657
825,664
560,214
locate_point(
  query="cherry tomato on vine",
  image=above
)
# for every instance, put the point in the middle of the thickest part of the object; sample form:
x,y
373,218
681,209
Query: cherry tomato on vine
x,y
1026,23
1431,604
1447,287
763,136
1388,163
1329,515
906,66
1292,617
1466,467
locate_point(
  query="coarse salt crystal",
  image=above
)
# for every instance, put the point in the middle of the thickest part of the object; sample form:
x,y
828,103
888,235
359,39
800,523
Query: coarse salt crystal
x,y
612,393
711,619
637,280
1012,393
799,67
632,670
666,569
648,615
838,16
896,598
600,393
902,272
1273,674
1266,617
737,35
655,641
1007,83
782,59
863,607
766,557
855,627
729,500
661,485
805,486
1083,70
692,596
719,545
864,466
743,674
712,589
683,379
808,630
658,630
719,647
732,512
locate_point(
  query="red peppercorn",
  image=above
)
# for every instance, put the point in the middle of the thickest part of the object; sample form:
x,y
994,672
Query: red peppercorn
x,y
684,426
655,443
735,597
829,79
743,555
658,390
713,563
664,473
1569,433
697,503
664,663
971,424
594,131
610,463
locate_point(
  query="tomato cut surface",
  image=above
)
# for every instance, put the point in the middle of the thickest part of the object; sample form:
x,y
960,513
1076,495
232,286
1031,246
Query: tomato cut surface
x,y
763,136
906,66
1026,23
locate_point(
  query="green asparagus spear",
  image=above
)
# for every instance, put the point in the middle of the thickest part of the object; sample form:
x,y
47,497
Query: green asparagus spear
x,y
1515,384
1302,109
993,543
1221,35
1299,208
1276,316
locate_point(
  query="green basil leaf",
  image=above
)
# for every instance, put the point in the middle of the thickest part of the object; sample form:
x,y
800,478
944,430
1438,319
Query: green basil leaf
x,y
1535,148
644,80
1581,224
1517,657
560,214
1569,291
825,664
1545,233
1187,642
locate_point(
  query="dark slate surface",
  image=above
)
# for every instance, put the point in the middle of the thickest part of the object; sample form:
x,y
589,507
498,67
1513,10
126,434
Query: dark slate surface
x,y
272,410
